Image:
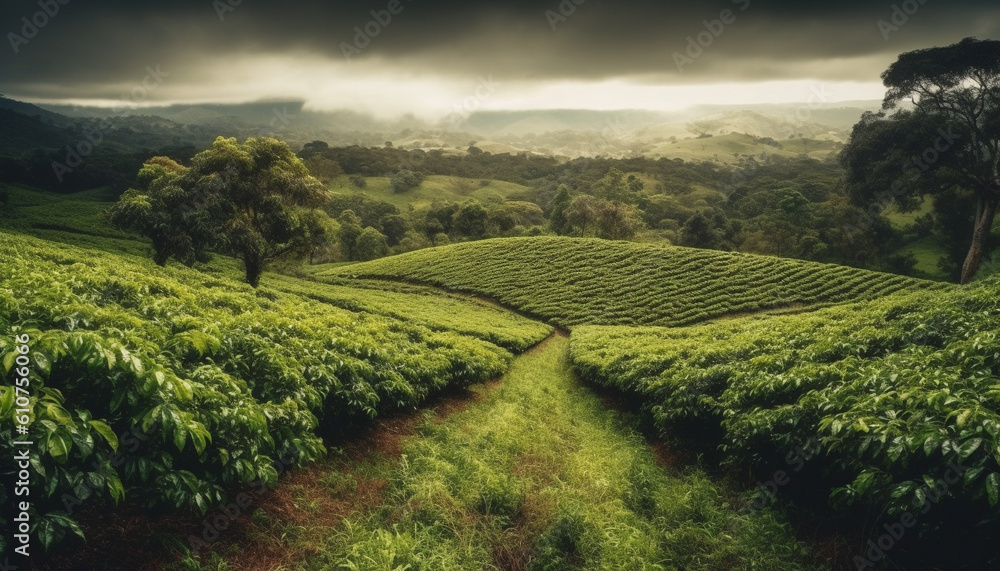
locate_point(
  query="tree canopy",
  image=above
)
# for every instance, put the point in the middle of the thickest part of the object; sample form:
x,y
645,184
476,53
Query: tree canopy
x,y
250,200
948,142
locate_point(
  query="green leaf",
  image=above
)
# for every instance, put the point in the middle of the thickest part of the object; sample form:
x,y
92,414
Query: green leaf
x,y
48,533
42,362
150,418
59,446
6,401
104,430
8,362
83,441
902,490
993,488
59,414
80,488
929,481
921,495
115,486
96,480
180,436
864,481
930,445
968,447
960,421
971,474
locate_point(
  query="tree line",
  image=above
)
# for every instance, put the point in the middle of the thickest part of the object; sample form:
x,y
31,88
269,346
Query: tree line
x,y
260,201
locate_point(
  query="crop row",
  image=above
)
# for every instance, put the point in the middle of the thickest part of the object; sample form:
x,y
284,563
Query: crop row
x,y
598,282
222,380
895,391
421,306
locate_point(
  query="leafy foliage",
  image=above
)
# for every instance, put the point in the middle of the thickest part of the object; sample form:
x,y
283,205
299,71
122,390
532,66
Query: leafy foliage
x,y
405,180
895,391
163,209
206,381
950,139
242,199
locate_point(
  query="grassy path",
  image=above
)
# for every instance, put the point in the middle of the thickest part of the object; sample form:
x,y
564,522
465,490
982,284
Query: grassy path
x,y
537,474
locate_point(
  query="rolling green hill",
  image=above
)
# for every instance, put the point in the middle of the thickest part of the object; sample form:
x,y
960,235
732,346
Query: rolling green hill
x,y
580,281
74,218
722,148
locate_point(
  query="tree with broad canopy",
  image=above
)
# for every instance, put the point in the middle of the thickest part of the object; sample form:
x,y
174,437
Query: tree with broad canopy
x,y
948,142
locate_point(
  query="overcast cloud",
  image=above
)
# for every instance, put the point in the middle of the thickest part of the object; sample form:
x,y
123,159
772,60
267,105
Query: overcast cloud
x,y
601,54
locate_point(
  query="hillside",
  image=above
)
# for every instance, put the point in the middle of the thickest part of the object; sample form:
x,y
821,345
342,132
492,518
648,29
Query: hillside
x,y
889,397
68,218
230,382
584,281
763,125
19,132
722,148
226,380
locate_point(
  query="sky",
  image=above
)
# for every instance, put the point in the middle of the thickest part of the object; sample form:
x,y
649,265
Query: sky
x,y
390,57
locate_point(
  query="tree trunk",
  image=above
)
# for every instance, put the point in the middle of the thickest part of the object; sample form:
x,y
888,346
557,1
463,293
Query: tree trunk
x,y
254,267
985,213
160,256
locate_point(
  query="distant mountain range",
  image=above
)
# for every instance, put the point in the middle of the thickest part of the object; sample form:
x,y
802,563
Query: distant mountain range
x,y
559,132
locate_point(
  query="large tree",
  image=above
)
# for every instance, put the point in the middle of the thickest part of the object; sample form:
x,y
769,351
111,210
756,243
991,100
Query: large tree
x,y
948,141
162,208
557,220
371,244
350,229
264,186
250,200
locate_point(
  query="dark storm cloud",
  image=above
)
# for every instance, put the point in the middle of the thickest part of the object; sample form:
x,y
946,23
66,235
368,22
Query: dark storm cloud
x,y
92,49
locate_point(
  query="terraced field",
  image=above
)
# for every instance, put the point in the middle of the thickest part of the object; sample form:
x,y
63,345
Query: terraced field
x,y
576,281
433,309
